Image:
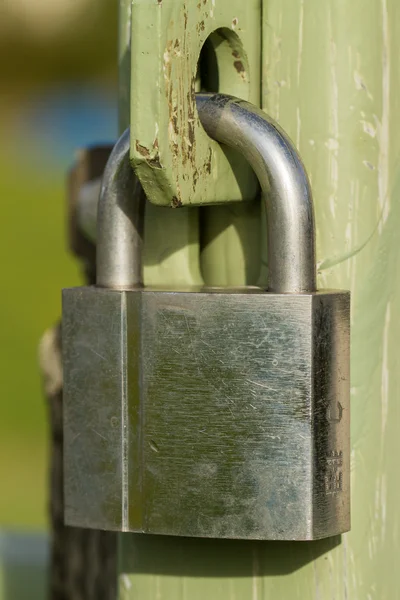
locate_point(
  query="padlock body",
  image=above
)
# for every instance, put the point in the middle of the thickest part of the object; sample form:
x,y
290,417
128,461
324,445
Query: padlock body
x,y
214,414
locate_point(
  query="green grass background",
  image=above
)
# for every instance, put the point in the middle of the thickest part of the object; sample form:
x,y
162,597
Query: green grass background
x,y
35,263
35,266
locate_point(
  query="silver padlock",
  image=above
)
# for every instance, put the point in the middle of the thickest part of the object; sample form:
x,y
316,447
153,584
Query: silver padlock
x,y
209,412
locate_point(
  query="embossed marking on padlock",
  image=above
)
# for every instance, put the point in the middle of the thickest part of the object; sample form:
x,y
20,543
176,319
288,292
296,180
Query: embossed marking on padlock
x,y
212,413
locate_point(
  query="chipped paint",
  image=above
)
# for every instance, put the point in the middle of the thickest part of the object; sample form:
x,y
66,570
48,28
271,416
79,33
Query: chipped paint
x,y
171,68
151,156
240,68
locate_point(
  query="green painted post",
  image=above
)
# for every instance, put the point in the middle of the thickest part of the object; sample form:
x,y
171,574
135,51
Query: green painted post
x,y
330,78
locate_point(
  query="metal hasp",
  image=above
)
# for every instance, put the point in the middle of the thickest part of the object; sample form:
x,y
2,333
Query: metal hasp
x,y
176,162
209,412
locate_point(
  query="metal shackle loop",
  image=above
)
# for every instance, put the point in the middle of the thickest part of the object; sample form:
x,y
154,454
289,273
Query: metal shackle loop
x,y
282,176
120,222
283,179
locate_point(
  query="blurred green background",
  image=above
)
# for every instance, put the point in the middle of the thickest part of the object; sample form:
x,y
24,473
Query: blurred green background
x,y
58,91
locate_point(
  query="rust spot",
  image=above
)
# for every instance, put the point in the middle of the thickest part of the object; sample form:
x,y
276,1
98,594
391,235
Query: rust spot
x,y
201,26
185,16
204,1
159,1
235,21
176,45
199,5
176,203
239,66
235,54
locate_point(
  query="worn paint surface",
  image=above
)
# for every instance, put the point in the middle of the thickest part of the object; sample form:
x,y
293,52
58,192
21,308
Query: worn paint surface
x,y
176,161
330,77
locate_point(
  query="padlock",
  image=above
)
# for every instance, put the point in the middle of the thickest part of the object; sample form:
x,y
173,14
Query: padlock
x,y
209,412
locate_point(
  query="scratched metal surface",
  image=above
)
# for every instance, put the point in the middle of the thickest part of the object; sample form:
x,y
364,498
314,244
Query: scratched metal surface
x,y
331,80
236,439
231,429
93,409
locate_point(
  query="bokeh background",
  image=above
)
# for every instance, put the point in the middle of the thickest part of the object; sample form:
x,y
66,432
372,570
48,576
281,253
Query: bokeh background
x,y
58,91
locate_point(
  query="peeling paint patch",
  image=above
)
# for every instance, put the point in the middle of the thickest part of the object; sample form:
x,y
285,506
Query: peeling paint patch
x,y
176,203
151,156
200,26
239,66
186,171
180,92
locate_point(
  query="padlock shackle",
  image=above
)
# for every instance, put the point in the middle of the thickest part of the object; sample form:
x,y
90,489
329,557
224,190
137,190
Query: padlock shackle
x,y
282,176
120,222
283,179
